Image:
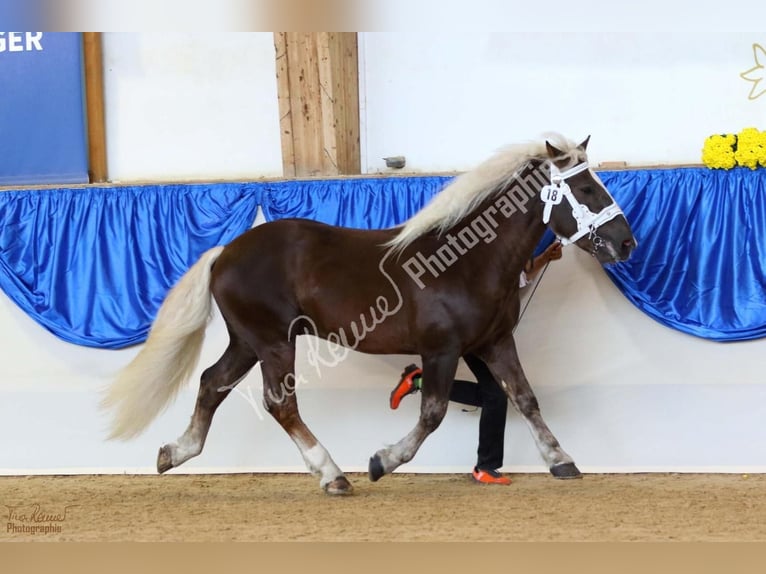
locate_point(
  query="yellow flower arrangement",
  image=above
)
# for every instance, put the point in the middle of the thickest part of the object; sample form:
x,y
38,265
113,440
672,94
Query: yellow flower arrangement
x,y
718,151
751,148
745,149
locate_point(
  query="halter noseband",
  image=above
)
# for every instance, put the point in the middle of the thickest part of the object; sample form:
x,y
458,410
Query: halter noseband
x,y
587,221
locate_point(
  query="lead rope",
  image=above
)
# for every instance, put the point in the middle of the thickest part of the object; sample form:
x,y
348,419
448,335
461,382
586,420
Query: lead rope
x,y
532,294
529,300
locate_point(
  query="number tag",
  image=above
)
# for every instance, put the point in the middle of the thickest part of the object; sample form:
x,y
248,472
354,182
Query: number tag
x,y
551,195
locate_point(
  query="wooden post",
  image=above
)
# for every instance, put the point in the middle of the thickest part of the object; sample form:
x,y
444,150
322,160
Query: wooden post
x,y
94,96
318,85
344,86
283,96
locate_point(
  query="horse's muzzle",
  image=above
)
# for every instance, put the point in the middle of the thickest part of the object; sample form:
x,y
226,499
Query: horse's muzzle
x,y
612,250
625,249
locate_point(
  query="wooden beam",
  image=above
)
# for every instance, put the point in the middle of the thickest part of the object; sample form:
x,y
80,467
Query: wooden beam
x,y
328,122
305,103
344,52
94,96
318,90
283,97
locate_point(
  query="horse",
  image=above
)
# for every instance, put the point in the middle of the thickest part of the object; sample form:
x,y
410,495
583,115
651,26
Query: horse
x,y
442,285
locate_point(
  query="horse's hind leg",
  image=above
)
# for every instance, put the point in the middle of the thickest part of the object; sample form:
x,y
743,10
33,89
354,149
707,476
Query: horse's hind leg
x,y
215,385
438,374
504,363
279,385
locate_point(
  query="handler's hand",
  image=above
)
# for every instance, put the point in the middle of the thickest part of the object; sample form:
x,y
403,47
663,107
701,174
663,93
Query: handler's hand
x,y
553,252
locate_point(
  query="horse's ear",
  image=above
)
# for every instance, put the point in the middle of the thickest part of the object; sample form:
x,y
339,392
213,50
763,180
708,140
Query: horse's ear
x,y
584,145
553,151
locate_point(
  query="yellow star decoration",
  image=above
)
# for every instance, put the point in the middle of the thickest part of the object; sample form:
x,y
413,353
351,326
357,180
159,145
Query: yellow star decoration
x,y
756,73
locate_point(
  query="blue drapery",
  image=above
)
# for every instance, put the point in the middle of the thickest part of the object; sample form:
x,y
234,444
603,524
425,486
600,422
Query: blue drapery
x,y
700,266
92,265
363,203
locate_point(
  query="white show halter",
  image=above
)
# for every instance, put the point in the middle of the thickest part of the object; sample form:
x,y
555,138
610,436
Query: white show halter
x,y
587,221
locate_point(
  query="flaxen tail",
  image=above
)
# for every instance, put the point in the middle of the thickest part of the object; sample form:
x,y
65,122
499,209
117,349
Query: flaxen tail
x,y
150,382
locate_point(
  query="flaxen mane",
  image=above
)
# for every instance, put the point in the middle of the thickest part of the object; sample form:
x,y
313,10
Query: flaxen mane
x,y
468,190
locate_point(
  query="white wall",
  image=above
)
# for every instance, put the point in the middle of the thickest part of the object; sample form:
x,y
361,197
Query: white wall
x,y
183,106
447,100
620,391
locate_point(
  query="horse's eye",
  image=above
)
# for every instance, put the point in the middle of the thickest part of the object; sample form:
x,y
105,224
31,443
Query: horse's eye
x,y
587,189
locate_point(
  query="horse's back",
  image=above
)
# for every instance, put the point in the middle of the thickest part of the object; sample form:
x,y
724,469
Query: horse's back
x,y
300,243
295,266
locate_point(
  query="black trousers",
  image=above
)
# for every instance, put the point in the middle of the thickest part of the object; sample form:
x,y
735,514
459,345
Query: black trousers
x,y
487,394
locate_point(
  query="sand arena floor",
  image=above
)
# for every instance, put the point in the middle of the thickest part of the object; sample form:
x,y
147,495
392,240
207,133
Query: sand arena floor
x,y
291,507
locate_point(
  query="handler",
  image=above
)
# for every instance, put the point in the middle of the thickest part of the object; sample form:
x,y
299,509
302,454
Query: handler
x,y
485,393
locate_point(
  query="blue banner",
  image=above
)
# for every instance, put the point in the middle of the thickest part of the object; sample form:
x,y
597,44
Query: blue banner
x,y
42,124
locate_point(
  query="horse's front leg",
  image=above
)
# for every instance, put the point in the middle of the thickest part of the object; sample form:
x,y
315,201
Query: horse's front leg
x,y
503,360
438,374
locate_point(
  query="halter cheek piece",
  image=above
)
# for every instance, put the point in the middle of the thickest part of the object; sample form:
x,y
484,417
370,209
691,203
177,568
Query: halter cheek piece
x,y
587,221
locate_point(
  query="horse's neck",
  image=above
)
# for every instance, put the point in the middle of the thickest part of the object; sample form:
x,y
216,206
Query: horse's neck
x,y
518,211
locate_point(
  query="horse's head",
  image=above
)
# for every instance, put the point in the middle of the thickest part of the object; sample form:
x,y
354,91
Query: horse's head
x,y
580,210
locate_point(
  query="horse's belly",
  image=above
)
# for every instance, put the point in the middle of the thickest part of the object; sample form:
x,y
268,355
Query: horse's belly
x,y
363,334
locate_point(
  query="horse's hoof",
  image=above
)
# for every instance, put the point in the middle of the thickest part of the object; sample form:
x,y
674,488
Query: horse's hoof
x,y
340,486
164,462
566,470
376,468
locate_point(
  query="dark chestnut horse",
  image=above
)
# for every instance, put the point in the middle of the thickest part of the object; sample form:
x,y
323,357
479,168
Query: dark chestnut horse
x,y
444,284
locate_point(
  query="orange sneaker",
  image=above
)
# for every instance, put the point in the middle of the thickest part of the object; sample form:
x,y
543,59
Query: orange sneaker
x,y
489,477
406,385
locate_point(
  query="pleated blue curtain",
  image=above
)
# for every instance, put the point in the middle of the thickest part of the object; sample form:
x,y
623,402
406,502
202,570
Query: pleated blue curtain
x,y
93,265
362,203
700,266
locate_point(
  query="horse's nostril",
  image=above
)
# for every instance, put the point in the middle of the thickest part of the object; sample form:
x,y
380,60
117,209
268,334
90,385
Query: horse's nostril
x,y
628,243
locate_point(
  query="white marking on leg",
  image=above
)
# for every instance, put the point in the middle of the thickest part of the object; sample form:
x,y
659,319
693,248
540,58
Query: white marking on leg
x,y
187,446
547,444
403,451
318,461
393,456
